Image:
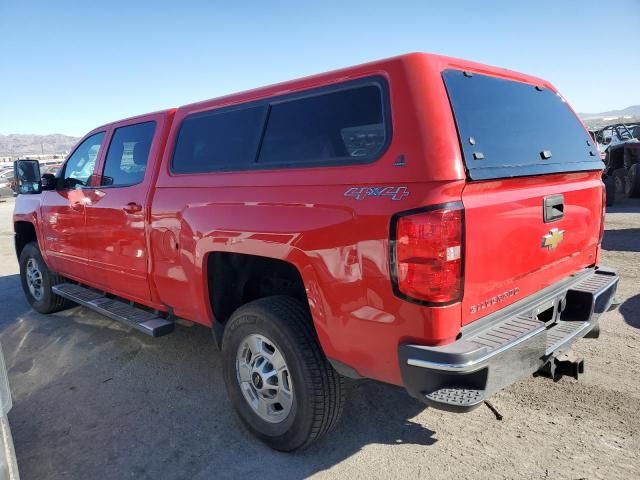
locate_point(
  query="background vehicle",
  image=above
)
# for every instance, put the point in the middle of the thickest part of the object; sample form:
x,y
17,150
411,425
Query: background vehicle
x,y
619,145
6,179
51,168
320,232
6,175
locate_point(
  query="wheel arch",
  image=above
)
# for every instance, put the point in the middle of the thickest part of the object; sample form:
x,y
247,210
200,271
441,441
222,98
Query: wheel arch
x,y
25,233
233,279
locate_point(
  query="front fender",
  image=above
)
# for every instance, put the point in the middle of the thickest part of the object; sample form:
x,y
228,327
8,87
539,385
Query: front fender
x,y
27,209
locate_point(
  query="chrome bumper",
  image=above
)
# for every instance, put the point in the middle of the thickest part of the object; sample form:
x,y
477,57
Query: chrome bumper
x,y
506,346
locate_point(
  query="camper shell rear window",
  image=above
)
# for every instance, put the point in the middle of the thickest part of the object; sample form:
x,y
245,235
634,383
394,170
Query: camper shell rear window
x,y
512,129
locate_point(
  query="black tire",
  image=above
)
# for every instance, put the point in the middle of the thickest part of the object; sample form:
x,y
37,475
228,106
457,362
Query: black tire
x,y
632,184
610,191
318,390
48,302
619,180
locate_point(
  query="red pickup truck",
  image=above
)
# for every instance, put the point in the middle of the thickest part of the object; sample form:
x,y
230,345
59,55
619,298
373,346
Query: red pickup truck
x,y
422,221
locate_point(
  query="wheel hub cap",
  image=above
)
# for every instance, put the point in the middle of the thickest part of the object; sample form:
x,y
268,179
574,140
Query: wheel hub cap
x,y
264,378
257,381
34,279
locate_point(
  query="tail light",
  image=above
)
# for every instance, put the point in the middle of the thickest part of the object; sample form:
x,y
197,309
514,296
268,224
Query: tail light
x,y
427,254
603,210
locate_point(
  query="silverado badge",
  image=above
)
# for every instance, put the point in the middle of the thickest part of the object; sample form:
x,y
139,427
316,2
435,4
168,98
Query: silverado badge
x,y
552,239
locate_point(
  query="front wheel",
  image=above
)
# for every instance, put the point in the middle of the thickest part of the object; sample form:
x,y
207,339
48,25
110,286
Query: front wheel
x,y
280,383
37,281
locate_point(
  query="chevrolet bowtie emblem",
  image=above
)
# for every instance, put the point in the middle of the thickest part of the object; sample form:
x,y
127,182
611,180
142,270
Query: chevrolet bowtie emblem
x,y
552,239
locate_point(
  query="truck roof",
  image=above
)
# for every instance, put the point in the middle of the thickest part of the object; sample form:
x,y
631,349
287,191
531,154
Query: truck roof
x,y
165,111
409,60
381,67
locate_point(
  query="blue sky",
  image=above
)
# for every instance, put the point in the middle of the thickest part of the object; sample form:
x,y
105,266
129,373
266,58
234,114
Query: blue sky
x,y
66,67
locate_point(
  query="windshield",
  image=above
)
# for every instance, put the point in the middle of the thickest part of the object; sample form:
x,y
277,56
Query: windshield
x,y
511,129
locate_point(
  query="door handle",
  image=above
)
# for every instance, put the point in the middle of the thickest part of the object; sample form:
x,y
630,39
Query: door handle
x,y
132,207
553,208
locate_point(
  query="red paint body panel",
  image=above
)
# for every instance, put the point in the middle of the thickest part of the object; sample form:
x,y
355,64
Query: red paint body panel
x,y
119,239
503,220
63,213
340,245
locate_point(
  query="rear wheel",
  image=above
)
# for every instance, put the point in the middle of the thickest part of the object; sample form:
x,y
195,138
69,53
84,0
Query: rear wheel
x,y
37,281
632,183
280,383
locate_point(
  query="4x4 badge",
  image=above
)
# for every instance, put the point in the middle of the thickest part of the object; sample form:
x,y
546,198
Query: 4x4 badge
x,y
360,193
552,239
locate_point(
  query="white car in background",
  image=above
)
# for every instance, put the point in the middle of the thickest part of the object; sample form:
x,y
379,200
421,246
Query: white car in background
x,y
6,175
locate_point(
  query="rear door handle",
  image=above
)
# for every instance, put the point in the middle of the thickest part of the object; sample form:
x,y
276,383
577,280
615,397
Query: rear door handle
x,y
132,207
553,208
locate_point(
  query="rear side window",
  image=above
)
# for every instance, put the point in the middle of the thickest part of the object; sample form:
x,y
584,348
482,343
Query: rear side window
x,y
218,140
128,154
329,126
343,126
511,129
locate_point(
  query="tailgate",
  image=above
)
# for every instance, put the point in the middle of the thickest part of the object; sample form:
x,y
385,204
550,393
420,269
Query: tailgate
x,y
525,153
511,252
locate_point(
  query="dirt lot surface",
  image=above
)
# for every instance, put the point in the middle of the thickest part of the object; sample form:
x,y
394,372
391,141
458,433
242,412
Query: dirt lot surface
x,y
93,399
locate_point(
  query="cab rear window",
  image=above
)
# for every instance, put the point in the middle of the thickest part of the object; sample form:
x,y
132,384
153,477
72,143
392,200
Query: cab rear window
x,y
218,140
511,129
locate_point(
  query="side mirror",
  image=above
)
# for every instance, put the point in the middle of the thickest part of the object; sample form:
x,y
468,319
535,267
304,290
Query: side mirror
x,y
27,176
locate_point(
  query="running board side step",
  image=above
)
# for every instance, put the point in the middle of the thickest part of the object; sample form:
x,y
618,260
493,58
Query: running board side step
x,y
121,311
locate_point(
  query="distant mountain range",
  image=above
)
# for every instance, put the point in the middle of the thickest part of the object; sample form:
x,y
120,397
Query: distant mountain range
x,y
26,144
633,111
595,121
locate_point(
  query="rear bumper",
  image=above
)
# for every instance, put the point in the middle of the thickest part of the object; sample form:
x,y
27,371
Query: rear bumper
x,y
509,345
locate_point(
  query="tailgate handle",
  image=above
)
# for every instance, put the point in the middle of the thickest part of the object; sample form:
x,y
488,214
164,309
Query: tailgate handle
x,y
553,208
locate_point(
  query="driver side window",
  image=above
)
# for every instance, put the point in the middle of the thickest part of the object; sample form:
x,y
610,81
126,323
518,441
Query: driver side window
x,y
81,163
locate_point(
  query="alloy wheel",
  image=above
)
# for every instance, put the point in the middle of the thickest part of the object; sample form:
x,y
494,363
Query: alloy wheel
x,y
34,279
264,379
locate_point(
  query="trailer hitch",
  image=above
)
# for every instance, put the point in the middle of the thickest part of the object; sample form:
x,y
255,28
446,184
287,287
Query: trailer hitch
x,y
565,364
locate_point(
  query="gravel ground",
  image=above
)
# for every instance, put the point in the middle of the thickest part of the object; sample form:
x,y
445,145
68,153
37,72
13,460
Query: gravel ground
x,y
93,399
